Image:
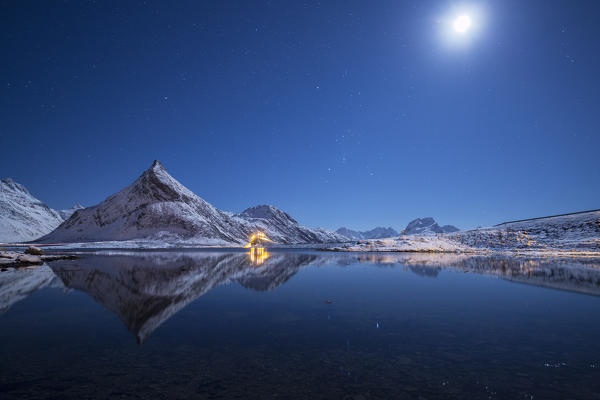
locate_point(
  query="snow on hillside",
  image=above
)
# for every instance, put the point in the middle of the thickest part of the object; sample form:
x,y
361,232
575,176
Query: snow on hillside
x,y
22,216
579,231
155,205
281,228
416,243
576,233
66,214
158,209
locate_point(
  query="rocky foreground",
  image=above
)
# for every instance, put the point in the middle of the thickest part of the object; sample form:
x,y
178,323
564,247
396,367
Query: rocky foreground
x,y
31,257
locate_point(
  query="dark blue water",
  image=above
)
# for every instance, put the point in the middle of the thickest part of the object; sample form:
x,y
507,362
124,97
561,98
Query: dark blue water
x,y
218,325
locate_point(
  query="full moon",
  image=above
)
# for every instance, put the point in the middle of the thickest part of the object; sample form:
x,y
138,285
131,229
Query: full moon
x,y
462,23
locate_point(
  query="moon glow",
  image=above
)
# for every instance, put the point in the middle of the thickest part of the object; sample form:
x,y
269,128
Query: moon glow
x,y
462,23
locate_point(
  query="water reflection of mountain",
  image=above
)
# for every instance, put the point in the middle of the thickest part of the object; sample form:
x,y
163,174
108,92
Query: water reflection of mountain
x,y
15,285
146,289
576,275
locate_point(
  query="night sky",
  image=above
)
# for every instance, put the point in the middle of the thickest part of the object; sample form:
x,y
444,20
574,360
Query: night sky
x,y
342,113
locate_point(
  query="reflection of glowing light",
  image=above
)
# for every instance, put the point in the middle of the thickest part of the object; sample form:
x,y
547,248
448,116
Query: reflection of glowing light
x,y
257,239
258,255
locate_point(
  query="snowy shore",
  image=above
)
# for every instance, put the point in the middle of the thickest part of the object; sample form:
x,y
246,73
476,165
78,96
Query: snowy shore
x,y
576,235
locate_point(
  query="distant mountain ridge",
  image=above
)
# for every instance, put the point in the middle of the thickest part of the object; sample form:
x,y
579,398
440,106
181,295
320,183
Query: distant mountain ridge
x,y
66,214
375,233
156,206
24,217
427,226
421,226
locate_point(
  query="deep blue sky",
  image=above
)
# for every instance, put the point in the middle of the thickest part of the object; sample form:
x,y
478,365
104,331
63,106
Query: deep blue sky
x,y
354,113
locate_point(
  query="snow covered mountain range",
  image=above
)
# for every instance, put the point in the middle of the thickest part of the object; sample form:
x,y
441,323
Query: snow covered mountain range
x,y
158,207
375,233
576,234
419,226
23,217
157,211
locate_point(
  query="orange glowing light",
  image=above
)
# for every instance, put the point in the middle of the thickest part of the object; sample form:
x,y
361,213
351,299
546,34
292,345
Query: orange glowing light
x,y
258,255
257,239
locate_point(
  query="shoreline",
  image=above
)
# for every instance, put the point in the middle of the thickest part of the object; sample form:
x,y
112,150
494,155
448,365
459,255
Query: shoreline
x,y
13,259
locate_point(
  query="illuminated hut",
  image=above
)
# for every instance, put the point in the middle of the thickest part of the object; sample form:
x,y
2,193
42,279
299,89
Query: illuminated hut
x,y
258,254
258,240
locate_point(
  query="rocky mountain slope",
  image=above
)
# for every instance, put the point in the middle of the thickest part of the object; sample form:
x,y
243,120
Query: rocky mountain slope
x,y
158,207
427,226
23,217
375,233
282,228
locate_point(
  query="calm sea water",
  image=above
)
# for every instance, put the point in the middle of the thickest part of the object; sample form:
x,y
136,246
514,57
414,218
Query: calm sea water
x,y
300,325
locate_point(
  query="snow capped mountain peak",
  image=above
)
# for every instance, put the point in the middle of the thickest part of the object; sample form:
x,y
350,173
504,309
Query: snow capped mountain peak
x,y
375,233
66,214
155,204
266,212
22,216
426,226
426,221
157,164
8,185
157,207
159,184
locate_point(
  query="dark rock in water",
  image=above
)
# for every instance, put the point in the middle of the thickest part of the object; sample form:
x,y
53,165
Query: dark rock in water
x,y
29,259
12,259
35,251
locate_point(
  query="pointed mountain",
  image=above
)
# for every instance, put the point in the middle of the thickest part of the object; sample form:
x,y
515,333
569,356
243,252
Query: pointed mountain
x,y
22,216
155,205
158,207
